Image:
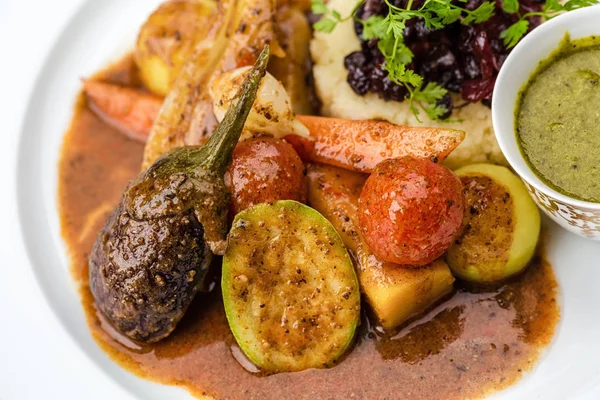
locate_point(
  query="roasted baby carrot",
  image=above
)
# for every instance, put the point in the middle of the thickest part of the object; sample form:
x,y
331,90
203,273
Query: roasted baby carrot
x,y
130,111
362,144
357,145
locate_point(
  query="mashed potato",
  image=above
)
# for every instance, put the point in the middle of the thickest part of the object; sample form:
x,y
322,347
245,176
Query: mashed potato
x,y
339,100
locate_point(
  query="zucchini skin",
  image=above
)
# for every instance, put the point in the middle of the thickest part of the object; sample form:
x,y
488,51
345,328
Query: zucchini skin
x,y
501,226
290,291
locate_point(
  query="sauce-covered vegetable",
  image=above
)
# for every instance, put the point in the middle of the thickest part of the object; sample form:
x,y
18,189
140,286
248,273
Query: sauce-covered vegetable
x,y
167,39
395,294
501,225
467,347
289,288
410,210
153,254
263,170
558,122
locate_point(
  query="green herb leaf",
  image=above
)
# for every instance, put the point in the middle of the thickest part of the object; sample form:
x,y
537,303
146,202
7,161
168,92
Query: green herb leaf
x,y
435,112
437,14
514,33
552,6
448,16
575,4
325,25
510,6
480,14
374,27
426,99
328,24
432,92
318,7
434,23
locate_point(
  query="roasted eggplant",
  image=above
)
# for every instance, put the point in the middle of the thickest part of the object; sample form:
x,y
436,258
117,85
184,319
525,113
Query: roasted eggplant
x,y
153,254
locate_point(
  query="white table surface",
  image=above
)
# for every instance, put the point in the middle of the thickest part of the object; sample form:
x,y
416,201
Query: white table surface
x,y
38,360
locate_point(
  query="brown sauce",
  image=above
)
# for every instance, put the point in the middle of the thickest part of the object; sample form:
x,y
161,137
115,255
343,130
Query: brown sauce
x,y
474,343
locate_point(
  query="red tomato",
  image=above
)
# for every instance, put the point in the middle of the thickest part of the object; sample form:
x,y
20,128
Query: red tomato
x,y
262,170
410,210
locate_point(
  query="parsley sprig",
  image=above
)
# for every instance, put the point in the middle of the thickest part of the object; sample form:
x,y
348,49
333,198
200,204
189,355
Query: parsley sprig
x,y
552,8
330,18
389,30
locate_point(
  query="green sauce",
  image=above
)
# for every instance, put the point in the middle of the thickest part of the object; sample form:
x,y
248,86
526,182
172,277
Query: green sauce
x,y
558,119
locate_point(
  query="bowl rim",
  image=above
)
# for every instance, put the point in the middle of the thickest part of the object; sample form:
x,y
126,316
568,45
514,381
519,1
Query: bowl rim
x,y
505,136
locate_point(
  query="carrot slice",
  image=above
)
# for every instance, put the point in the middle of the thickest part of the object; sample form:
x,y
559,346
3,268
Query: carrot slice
x,y
128,110
357,145
361,145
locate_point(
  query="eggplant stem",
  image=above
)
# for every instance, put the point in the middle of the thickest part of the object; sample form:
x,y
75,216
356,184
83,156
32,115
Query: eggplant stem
x,y
218,150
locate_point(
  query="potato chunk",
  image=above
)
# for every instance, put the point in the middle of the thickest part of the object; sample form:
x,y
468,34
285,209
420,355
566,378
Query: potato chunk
x,y
294,34
167,39
397,294
394,293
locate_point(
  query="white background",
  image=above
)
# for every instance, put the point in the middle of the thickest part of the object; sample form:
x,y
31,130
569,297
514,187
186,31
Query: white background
x,y
36,355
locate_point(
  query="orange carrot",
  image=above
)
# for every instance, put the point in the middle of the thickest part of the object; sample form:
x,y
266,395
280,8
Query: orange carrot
x,y
128,110
357,145
362,144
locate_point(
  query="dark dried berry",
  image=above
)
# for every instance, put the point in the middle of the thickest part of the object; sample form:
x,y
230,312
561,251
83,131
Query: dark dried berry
x,y
446,102
464,59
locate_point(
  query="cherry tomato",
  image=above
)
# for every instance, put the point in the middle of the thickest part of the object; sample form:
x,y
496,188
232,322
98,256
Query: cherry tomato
x,y
262,170
411,210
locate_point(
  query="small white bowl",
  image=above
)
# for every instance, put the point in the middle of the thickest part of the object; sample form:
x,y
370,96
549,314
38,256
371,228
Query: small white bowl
x,y
580,217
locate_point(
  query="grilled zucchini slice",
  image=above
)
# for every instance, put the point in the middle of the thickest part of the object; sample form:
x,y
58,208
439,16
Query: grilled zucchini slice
x,y
501,227
289,288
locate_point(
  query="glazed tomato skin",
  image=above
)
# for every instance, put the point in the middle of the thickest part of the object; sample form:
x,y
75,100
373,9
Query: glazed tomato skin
x,y
265,169
411,210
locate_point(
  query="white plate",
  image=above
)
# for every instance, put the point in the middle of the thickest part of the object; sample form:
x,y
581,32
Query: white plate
x,y
100,31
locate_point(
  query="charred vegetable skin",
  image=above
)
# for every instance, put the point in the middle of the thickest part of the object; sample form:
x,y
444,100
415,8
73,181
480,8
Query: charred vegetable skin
x,y
153,254
143,274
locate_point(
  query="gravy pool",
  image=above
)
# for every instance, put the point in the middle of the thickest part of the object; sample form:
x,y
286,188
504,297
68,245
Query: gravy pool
x,y
474,343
